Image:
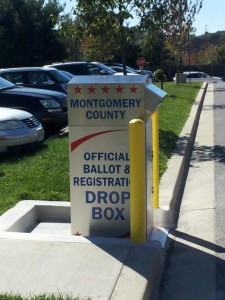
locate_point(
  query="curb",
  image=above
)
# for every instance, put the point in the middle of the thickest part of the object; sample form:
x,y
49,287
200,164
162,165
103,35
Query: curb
x,y
173,180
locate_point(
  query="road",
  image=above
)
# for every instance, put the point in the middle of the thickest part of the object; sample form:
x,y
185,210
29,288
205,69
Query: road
x,y
195,260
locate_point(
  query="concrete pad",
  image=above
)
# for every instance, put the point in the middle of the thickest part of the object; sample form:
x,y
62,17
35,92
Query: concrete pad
x,y
84,270
40,256
87,270
149,264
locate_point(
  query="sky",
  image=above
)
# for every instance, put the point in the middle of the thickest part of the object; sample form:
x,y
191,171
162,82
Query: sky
x,y
210,18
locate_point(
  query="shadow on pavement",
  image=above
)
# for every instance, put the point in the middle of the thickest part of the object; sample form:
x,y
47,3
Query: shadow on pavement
x,y
191,269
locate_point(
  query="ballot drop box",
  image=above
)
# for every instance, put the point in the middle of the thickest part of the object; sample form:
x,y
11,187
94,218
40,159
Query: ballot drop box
x,y
99,111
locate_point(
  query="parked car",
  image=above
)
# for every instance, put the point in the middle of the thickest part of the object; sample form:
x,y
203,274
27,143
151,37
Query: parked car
x,y
68,74
18,128
83,68
37,77
199,76
49,107
119,68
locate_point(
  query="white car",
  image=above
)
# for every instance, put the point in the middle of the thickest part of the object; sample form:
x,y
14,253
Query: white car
x,y
199,76
18,128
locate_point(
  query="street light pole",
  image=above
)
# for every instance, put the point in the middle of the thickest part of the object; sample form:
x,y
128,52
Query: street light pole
x,y
189,56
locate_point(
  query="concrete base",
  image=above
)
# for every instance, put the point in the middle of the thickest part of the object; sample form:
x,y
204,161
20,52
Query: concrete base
x,y
31,217
38,249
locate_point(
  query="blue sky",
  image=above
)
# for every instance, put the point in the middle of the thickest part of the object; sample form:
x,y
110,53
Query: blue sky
x,y
210,18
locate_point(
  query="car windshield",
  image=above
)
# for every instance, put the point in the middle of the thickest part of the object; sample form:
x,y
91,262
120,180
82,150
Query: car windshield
x,y
59,76
120,69
131,70
68,74
104,67
5,84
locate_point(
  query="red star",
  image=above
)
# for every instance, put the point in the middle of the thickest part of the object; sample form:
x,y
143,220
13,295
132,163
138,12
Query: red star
x,y
119,89
77,233
91,89
133,89
105,90
78,90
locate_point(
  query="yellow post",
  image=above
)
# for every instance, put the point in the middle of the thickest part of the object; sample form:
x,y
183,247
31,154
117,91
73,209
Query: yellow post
x,y
137,181
155,158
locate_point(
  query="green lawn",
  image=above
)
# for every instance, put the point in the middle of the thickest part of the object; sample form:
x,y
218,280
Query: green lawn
x,y
173,113
44,173
41,174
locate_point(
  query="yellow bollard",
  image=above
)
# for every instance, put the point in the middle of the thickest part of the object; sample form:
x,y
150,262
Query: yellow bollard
x,y
155,158
137,181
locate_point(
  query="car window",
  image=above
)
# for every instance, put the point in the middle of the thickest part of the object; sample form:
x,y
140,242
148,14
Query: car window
x,y
58,76
76,69
68,74
93,70
103,69
38,77
14,77
203,75
192,75
5,84
117,69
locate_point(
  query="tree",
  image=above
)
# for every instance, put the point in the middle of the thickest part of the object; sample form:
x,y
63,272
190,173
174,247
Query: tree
x,y
212,54
106,21
152,43
219,57
180,18
71,34
27,32
175,19
160,76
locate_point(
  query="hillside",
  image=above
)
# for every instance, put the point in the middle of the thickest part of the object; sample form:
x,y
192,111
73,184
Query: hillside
x,y
200,42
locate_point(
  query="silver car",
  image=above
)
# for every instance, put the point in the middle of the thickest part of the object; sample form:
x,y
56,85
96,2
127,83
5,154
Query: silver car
x,y
199,76
18,128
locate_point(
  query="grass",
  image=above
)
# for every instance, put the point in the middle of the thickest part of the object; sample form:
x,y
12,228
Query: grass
x,y
43,174
173,112
40,174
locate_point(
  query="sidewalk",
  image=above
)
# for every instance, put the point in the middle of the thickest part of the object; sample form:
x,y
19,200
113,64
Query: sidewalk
x,y
48,260
190,271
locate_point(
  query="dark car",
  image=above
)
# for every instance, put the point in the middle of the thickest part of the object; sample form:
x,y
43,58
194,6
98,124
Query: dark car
x,y
119,68
66,73
49,107
37,77
83,68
